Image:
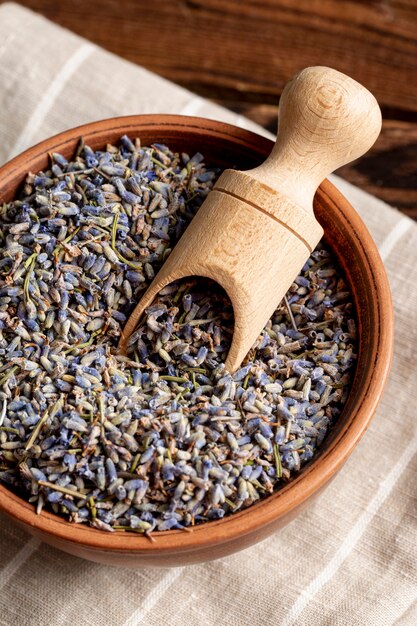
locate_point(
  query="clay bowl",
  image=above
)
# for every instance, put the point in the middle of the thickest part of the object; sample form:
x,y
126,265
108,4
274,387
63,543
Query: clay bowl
x,y
224,146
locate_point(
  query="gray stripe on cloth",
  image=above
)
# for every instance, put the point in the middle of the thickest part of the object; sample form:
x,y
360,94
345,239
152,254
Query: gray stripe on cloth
x,y
350,558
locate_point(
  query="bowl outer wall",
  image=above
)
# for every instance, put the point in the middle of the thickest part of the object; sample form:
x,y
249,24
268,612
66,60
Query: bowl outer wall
x,y
225,145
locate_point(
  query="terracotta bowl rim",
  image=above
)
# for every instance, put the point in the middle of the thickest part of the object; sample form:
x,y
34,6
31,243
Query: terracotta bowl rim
x,y
315,475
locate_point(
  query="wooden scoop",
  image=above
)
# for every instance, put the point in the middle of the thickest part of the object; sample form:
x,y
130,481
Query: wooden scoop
x,y
256,229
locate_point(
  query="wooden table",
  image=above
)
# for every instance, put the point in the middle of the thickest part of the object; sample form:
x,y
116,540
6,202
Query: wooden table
x,y
240,53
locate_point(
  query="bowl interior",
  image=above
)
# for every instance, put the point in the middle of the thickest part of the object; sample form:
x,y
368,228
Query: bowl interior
x,y
226,146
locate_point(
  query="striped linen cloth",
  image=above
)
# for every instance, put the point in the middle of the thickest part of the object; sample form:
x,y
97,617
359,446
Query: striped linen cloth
x,y
350,558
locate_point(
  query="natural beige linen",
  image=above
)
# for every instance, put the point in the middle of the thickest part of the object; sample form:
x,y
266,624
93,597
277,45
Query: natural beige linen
x,y
350,559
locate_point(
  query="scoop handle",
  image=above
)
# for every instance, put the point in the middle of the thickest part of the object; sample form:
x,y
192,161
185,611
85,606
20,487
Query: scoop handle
x,y
326,119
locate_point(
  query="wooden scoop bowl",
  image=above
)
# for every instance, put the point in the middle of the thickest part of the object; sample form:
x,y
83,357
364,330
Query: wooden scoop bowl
x,y
256,229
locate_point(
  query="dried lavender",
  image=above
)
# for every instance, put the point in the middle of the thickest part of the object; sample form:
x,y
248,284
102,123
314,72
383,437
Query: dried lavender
x,y
164,438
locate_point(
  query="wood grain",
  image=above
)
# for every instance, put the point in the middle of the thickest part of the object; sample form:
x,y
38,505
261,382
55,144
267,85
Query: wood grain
x,y
261,222
242,53
389,171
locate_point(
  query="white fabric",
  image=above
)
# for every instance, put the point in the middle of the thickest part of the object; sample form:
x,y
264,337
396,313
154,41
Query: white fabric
x,y
350,558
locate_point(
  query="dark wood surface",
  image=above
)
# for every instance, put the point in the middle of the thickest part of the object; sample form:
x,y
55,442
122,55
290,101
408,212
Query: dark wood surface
x,y
240,53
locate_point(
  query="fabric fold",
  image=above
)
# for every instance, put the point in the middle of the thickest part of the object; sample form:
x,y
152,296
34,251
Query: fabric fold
x,y
350,558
